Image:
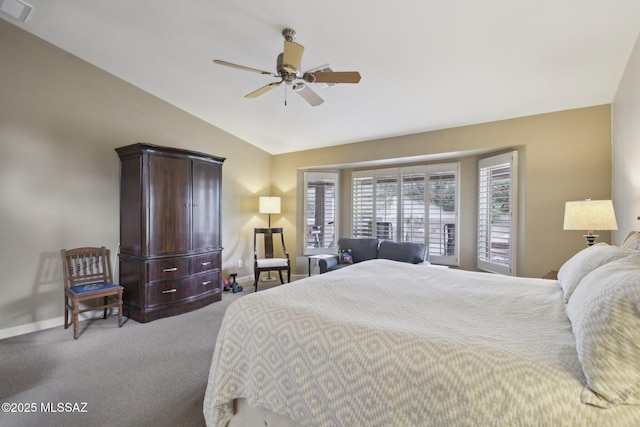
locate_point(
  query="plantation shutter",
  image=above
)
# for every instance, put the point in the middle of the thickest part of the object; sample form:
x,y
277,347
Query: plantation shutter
x,y
413,212
496,219
443,213
320,211
416,204
385,225
362,204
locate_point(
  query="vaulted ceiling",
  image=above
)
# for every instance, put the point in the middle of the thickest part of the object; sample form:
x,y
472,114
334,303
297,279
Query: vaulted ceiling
x,y
425,65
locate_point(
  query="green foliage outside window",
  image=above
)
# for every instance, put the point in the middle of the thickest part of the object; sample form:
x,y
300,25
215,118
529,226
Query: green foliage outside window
x,y
500,197
443,194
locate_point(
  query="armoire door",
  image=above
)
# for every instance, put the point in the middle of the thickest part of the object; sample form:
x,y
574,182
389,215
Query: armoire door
x,y
206,202
169,205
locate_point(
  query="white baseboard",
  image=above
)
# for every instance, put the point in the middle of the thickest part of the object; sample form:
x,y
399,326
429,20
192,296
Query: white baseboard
x,y
245,279
31,327
47,324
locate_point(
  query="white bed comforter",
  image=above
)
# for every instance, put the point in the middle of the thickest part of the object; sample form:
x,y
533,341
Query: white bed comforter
x,y
383,343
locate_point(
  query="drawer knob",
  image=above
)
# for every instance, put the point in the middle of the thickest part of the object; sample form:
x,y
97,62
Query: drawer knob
x,y
206,283
206,263
169,291
168,270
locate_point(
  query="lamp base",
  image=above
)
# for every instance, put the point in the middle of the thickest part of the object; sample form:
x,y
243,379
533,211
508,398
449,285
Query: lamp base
x,y
269,278
591,238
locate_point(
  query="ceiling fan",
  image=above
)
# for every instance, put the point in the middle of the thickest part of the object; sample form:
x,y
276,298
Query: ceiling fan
x,y
288,71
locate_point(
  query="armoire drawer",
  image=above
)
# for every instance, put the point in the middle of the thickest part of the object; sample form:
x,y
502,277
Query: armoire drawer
x,y
170,268
205,262
168,291
203,283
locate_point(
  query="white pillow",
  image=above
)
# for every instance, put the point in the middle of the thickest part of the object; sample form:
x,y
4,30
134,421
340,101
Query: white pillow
x,y
605,317
584,262
632,241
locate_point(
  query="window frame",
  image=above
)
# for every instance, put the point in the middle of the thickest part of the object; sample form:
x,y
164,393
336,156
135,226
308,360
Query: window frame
x,y
454,258
484,245
333,176
396,175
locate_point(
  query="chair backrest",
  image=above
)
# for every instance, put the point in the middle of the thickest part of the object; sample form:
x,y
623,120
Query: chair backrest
x,y
267,233
411,252
85,265
362,248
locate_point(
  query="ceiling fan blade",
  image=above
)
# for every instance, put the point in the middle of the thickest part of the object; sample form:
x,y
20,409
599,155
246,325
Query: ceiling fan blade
x,y
292,56
336,77
241,67
310,96
262,90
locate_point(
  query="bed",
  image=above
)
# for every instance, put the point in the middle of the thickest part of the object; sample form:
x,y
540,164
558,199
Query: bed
x,y
385,343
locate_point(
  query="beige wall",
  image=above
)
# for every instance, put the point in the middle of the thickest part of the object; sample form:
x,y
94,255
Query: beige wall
x,y
563,156
60,120
626,149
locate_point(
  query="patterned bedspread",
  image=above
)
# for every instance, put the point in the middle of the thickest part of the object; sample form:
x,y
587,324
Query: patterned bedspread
x,y
383,343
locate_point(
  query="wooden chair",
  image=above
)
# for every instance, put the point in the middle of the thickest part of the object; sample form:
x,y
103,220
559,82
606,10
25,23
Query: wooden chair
x,y
87,276
269,262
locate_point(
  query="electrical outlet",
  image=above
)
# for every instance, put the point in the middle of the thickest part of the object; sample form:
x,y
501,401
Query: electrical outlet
x,y
239,263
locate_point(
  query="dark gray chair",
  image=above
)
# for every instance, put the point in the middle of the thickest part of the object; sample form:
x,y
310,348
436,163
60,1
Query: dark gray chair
x,y
413,253
364,249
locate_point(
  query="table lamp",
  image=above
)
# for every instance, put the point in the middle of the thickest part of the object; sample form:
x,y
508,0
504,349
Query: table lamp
x,y
269,205
590,215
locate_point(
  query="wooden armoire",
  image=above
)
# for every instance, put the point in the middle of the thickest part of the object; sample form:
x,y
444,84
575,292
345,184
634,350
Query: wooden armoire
x,y
170,248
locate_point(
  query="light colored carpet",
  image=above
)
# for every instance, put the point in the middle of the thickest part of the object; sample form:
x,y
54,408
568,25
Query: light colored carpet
x,y
151,374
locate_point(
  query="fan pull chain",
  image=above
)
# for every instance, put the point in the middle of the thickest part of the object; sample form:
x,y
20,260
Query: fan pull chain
x,y
285,95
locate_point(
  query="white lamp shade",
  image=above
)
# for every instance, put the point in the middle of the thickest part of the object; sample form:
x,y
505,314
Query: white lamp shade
x,y
269,205
590,215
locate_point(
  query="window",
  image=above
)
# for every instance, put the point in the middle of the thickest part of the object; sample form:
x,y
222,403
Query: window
x,y
362,208
443,213
386,205
413,203
321,200
375,204
496,219
416,204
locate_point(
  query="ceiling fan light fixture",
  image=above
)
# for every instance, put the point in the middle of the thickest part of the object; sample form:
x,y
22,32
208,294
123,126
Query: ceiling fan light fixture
x,y
288,69
289,34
